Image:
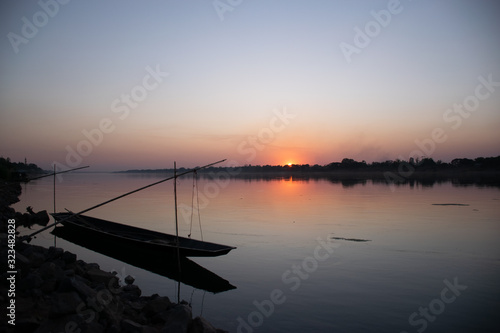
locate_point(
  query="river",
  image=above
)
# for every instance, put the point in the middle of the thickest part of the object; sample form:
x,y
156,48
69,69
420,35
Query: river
x,y
312,255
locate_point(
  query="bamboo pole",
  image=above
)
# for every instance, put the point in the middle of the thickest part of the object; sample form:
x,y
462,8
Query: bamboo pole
x,y
177,235
175,204
54,181
28,237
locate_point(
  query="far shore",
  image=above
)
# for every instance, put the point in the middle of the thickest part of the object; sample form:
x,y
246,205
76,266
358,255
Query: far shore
x,y
458,177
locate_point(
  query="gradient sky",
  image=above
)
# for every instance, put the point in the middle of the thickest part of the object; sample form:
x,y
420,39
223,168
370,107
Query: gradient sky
x,y
230,73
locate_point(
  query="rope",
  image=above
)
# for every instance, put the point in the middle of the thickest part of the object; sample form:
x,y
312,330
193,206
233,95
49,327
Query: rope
x,y
202,302
198,204
195,185
192,208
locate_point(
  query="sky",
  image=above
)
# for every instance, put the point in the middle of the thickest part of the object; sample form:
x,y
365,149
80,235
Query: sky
x,y
125,84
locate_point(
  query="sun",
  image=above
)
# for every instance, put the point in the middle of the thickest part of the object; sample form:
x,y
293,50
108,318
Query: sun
x,y
289,164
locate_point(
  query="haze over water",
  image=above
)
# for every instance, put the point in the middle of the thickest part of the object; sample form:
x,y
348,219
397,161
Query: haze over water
x,y
387,254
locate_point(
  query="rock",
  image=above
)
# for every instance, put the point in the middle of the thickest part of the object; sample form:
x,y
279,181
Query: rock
x,y
21,246
110,308
149,329
52,275
97,276
48,285
42,218
22,262
30,312
90,265
156,306
137,305
79,267
50,270
65,303
70,323
77,284
68,257
32,281
82,288
27,324
177,319
131,292
200,325
156,310
69,272
113,329
29,219
36,259
129,279
129,326
55,252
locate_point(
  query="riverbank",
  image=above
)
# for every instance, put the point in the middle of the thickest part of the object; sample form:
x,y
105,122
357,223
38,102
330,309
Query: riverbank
x,y
50,290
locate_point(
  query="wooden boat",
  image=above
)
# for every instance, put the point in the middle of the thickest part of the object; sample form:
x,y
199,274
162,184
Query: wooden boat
x,y
129,237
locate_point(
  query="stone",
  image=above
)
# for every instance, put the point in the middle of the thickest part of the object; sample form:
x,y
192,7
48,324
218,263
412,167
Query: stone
x,y
97,276
48,285
76,284
131,292
129,326
55,252
149,329
30,310
65,303
40,218
91,265
36,259
156,306
129,279
79,267
27,324
69,272
68,257
32,281
70,323
177,319
200,325
50,270
22,262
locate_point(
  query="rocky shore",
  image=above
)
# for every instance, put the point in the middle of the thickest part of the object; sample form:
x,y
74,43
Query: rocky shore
x,y
53,291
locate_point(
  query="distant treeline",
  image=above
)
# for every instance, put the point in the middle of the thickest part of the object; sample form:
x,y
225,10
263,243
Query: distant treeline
x,y
17,170
348,165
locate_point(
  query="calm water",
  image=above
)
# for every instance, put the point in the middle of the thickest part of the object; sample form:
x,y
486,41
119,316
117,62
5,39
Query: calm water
x,y
298,267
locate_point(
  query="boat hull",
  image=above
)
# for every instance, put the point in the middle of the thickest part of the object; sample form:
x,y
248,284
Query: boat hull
x,y
129,237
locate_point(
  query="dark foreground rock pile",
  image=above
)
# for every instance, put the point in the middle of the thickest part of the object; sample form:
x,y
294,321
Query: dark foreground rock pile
x,y
56,292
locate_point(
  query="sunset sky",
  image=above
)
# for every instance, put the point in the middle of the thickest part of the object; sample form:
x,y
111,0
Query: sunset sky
x,y
139,84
